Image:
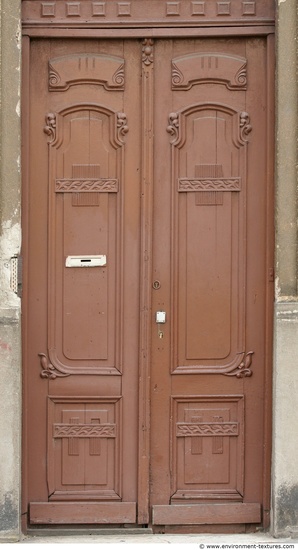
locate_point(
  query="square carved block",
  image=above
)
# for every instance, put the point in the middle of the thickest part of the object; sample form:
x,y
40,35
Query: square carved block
x,y
73,9
48,9
124,8
173,8
248,8
98,9
198,8
223,8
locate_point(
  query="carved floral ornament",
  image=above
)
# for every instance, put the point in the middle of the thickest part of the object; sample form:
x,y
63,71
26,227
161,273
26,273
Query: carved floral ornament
x,y
50,128
147,51
174,126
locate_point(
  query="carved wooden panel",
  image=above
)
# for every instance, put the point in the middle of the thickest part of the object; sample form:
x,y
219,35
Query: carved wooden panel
x,y
146,12
209,151
70,70
84,448
85,157
200,68
208,435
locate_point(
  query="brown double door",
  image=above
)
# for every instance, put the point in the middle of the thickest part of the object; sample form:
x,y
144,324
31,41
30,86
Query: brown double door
x,y
147,215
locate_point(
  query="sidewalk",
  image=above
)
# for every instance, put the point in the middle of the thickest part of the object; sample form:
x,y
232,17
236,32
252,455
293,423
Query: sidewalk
x,y
203,541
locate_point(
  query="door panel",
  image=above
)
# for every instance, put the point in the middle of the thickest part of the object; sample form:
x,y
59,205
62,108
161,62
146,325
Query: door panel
x,y
83,254
209,254
147,192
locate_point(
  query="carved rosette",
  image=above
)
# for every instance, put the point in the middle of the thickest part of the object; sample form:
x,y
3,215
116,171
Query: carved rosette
x,y
243,370
122,127
173,127
147,51
245,126
48,370
50,128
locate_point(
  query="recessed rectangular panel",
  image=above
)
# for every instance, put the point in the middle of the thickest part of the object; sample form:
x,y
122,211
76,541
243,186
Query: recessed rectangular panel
x,y
207,446
84,447
82,512
206,514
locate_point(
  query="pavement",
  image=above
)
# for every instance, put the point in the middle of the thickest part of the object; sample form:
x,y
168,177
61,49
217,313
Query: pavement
x,y
261,541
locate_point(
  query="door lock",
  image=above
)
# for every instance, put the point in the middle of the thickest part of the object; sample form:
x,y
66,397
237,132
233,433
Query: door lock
x,y
160,319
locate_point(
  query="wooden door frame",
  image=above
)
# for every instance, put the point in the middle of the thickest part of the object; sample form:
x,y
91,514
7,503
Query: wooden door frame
x,y
147,36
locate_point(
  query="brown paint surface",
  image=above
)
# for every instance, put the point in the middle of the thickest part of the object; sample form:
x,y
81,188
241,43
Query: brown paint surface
x,y
155,155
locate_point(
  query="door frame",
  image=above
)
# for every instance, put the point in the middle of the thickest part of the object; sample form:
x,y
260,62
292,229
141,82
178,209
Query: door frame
x,y
148,35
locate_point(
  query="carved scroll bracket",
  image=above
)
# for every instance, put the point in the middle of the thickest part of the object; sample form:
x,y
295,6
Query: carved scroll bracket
x,y
245,126
173,127
243,370
122,127
147,51
48,370
50,128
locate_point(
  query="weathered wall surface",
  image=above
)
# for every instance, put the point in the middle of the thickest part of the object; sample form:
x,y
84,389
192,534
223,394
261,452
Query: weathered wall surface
x,y
285,389
10,241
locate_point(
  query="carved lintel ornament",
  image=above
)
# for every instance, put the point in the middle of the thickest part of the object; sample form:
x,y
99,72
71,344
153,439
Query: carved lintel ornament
x,y
147,51
245,126
173,127
122,127
48,370
243,369
50,128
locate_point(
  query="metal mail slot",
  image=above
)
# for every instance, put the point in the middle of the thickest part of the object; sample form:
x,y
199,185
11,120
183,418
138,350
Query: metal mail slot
x,y
86,261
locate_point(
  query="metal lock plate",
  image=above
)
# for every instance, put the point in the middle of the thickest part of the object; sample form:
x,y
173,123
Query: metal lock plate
x,y
160,317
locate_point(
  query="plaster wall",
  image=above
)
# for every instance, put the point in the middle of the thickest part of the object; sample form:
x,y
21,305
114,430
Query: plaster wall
x,y
284,516
10,241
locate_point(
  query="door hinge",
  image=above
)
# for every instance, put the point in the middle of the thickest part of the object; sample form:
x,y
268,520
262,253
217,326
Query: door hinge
x,y
16,275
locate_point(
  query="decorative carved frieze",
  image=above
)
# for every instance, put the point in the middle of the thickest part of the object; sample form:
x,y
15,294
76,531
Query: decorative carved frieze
x,y
103,185
145,13
207,429
84,430
210,184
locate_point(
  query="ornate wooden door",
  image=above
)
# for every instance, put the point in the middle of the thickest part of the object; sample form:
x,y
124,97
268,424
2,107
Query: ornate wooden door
x,y
148,253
